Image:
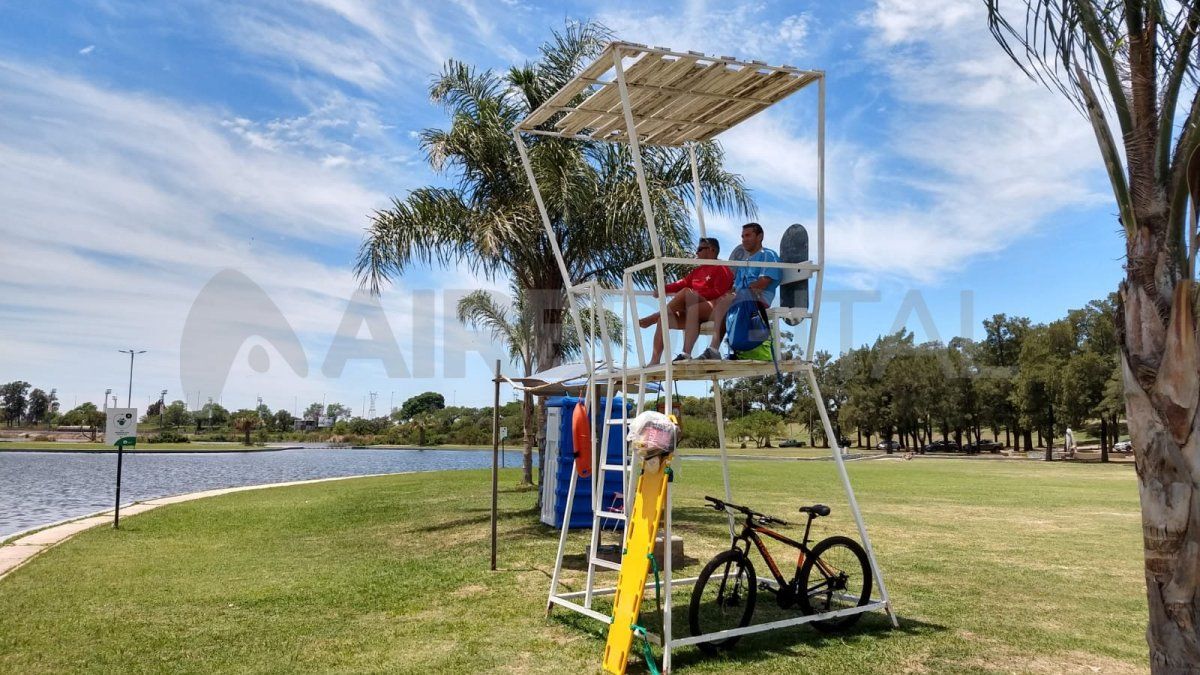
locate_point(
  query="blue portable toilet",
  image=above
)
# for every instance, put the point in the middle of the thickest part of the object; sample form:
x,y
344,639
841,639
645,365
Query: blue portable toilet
x,y
560,464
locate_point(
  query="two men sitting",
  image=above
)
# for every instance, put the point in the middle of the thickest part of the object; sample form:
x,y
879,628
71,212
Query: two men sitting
x,y
709,291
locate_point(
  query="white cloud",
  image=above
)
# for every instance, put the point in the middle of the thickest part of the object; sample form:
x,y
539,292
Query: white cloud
x,y
375,46
87,50
119,207
920,20
748,30
961,156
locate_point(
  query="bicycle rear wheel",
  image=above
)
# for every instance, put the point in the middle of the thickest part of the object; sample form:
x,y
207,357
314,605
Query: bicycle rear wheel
x,y
723,598
835,575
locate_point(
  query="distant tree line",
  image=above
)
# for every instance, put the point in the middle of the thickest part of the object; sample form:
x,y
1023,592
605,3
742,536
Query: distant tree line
x,y
1021,381
21,406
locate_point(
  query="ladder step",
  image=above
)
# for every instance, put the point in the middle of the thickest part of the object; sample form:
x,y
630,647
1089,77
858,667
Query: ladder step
x,y
618,420
614,467
612,515
606,564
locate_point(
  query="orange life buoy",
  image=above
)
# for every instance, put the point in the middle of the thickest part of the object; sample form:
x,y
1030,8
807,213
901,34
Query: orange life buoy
x,y
581,434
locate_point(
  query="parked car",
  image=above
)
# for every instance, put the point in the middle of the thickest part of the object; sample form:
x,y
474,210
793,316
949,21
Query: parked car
x,y
789,443
984,446
888,446
941,446
1123,446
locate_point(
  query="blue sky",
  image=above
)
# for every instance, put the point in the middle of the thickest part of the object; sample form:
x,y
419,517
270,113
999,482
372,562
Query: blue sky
x,y
145,147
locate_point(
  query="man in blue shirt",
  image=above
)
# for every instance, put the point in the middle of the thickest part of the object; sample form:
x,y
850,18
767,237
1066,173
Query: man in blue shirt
x,y
761,281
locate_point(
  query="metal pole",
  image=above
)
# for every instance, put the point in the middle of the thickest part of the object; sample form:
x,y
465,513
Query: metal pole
x,y
129,393
117,501
820,270
121,442
558,256
635,152
495,457
696,189
841,467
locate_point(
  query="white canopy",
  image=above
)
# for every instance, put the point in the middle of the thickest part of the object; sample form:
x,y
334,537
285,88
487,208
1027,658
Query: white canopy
x,y
675,97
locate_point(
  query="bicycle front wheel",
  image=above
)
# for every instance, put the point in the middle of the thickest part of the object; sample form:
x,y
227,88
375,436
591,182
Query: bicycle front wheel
x,y
723,598
835,575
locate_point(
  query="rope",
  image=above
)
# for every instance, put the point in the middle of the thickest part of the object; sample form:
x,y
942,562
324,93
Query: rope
x,y
647,653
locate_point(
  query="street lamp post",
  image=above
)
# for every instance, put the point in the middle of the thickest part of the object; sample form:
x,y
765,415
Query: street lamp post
x,y
106,393
162,403
132,353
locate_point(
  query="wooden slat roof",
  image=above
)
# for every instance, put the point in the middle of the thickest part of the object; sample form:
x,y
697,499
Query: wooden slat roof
x,y
675,97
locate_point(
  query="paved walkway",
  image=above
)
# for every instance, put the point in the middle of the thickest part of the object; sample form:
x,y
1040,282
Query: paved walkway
x,y
24,548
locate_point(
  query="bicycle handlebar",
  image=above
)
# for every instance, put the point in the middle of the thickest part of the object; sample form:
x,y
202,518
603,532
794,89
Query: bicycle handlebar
x,y
722,505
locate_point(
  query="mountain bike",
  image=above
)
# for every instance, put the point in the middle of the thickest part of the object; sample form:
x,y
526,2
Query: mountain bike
x,y
830,576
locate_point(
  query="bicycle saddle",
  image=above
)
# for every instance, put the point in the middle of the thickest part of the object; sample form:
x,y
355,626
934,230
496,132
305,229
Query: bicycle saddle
x,y
817,510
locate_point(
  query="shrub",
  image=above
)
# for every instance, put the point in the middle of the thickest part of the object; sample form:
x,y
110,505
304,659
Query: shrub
x,y
43,437
698,433
168,437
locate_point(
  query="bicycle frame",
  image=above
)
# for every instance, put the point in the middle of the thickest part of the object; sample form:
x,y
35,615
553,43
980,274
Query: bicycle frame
x,y
750,533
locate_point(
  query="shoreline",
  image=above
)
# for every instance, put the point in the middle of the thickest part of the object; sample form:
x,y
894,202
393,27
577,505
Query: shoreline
x,y
149,449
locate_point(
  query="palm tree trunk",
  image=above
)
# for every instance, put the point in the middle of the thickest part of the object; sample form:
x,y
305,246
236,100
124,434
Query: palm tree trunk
x,y
549,311
1159,366
526,431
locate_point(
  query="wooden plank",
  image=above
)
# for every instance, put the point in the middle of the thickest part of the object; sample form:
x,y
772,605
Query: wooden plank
x,y
640,97
608,98
773,88
695,109
757,87
775,91
562,97
645,100
711,73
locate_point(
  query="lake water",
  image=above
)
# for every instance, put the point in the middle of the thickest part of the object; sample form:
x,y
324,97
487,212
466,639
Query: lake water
x,y
38,488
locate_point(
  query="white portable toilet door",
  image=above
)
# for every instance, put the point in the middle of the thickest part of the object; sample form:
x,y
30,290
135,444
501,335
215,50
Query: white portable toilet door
x,y
550,470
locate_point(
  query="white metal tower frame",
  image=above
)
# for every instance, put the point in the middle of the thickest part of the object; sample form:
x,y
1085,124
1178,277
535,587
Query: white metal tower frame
x,y
678,99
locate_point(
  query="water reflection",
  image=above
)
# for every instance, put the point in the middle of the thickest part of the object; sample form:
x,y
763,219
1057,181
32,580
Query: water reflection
x,y
37,488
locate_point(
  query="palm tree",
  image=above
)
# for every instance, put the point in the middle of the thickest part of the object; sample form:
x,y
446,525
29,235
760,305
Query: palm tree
x,y
246,421
1140,57
516,328
488,222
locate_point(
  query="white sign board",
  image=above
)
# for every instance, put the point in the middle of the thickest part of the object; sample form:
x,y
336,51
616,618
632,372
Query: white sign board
x,y
324,422
121,423
503,433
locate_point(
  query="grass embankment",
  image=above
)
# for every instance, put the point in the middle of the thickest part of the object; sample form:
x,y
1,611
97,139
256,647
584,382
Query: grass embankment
x,y
993,567
53,446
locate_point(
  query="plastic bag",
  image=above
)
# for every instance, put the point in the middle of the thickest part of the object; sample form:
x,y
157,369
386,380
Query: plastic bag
x,y
653,434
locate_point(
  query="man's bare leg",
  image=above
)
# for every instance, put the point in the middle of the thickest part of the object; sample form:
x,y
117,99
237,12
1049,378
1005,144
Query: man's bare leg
x,y
696,315
720,308
656,354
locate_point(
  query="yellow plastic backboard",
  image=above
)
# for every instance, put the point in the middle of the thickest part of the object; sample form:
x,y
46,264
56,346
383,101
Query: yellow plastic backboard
x,y
643,525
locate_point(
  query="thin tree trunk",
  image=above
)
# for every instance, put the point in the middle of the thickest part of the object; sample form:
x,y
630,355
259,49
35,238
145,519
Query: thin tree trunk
x,y
1103,439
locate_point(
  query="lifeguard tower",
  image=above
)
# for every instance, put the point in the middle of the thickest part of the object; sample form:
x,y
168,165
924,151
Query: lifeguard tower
x,y
644,96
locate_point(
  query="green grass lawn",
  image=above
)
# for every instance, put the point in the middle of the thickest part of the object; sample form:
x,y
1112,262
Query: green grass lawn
x,y
992,566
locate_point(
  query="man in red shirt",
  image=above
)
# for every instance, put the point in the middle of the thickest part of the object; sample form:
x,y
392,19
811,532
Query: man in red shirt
x,y
693,301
